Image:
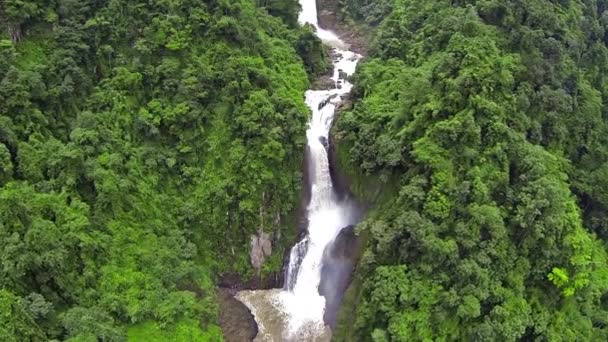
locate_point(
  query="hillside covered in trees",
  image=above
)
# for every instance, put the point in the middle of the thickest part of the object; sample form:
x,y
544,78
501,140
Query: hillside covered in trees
x,y
141,144
479,134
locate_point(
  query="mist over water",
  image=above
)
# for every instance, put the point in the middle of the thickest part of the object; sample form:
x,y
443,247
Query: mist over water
x,y
296,312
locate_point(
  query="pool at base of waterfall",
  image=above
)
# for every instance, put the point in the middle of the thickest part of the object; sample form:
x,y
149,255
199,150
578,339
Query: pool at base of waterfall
x,y
273,321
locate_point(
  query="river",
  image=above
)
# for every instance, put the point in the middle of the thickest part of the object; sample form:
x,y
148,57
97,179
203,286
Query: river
x,y
296,312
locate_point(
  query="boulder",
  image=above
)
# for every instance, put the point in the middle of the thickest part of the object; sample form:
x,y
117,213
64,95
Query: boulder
x,y
236,321
323,83
345,247
323,141
327,101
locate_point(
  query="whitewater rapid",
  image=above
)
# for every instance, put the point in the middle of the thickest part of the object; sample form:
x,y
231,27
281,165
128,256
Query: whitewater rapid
x,y
295,313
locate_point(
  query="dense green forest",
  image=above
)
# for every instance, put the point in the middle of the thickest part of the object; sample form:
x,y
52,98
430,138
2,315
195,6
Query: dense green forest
x,y
479,134
141,144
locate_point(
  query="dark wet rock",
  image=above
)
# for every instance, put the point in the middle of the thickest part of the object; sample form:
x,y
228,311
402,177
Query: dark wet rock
x,y
346,245
324,82
339,259
342,75
326,101
236,321
323,141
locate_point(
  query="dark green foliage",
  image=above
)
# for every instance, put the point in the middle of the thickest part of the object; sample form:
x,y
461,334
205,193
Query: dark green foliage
x,y
286,9
370,12
491,118
90,325
17,322
312,52
141,144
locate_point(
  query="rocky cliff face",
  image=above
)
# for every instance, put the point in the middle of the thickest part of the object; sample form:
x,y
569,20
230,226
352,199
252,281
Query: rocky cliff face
x,y
327,13
330,19
338,262
261,248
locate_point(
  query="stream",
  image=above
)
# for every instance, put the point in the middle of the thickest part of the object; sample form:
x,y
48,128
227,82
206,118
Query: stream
x,y
299,312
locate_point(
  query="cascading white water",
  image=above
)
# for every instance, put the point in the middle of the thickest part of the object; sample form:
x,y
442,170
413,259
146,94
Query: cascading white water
x,y
308,15
299,302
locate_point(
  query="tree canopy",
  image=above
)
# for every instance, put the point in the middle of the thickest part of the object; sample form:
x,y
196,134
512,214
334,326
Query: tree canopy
x,y
486,124
141,143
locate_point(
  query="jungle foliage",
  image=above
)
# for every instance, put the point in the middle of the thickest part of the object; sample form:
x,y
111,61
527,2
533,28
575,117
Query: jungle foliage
x,y
487,124
141,144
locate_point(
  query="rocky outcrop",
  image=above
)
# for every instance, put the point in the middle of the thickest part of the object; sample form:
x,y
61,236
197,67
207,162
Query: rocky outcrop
x,y
328,17
323,82
236,321
346,246
327,13
327,101
339,259
261,248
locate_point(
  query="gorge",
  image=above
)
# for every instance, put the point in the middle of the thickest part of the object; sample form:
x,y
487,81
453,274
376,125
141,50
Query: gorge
x,y
302,310
159,158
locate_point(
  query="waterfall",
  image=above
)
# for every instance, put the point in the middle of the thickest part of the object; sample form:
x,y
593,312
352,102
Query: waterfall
x,y
299,303
308,15
295,260
302,302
